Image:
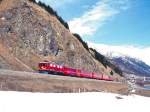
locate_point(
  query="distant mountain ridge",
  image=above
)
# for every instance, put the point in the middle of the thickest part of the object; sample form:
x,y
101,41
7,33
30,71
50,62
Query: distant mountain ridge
x,y
131,65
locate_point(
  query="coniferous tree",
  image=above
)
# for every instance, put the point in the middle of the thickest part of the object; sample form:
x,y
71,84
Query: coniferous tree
x,y
52,12
80,39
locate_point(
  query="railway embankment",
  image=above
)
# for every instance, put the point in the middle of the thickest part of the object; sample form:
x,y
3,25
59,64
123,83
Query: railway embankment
x,y
35,82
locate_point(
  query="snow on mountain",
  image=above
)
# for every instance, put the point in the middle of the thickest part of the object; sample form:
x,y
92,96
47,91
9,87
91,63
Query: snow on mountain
x,y
131,60
71,102
132,66
141,53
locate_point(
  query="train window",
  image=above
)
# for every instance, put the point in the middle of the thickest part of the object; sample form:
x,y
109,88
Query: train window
x,y
41,64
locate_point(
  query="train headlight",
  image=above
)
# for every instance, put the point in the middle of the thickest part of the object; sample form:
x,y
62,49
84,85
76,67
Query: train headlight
x,y
43,67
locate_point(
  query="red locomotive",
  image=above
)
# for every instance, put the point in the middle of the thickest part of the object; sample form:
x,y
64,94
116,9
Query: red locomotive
x,y
52,68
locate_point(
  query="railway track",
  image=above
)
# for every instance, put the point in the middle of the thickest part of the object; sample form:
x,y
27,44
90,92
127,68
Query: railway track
x,y
36,82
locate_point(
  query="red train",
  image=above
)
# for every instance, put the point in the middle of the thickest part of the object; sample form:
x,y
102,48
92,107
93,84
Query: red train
x,y
52,68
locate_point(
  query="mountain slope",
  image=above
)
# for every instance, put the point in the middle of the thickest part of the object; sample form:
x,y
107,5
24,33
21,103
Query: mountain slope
x,y
29,34
132,66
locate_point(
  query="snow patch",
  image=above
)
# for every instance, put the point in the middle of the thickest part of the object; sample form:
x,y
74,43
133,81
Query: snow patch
x,y
71,102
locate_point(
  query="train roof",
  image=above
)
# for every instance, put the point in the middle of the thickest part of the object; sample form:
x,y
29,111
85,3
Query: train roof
x,y
47,62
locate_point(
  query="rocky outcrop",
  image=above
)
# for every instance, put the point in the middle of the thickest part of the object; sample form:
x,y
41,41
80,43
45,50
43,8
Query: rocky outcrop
x,y
29,34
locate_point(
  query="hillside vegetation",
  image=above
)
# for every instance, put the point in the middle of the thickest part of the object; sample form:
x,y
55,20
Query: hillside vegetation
x,y
31,32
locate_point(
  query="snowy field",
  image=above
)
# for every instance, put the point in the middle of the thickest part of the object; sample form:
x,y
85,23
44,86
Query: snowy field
x,y
72,102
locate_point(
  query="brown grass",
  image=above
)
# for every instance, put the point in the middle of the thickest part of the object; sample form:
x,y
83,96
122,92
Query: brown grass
x,y
34,82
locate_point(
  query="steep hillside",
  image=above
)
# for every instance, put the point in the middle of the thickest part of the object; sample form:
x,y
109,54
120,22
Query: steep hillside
x,y
30,34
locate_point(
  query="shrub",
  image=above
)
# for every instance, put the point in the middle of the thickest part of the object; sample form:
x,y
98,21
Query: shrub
x,y
105,61
52,12
99,57
111,73
80,39
34,1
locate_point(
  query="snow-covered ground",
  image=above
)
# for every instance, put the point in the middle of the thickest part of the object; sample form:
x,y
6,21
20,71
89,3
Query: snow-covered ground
x,y
72,102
